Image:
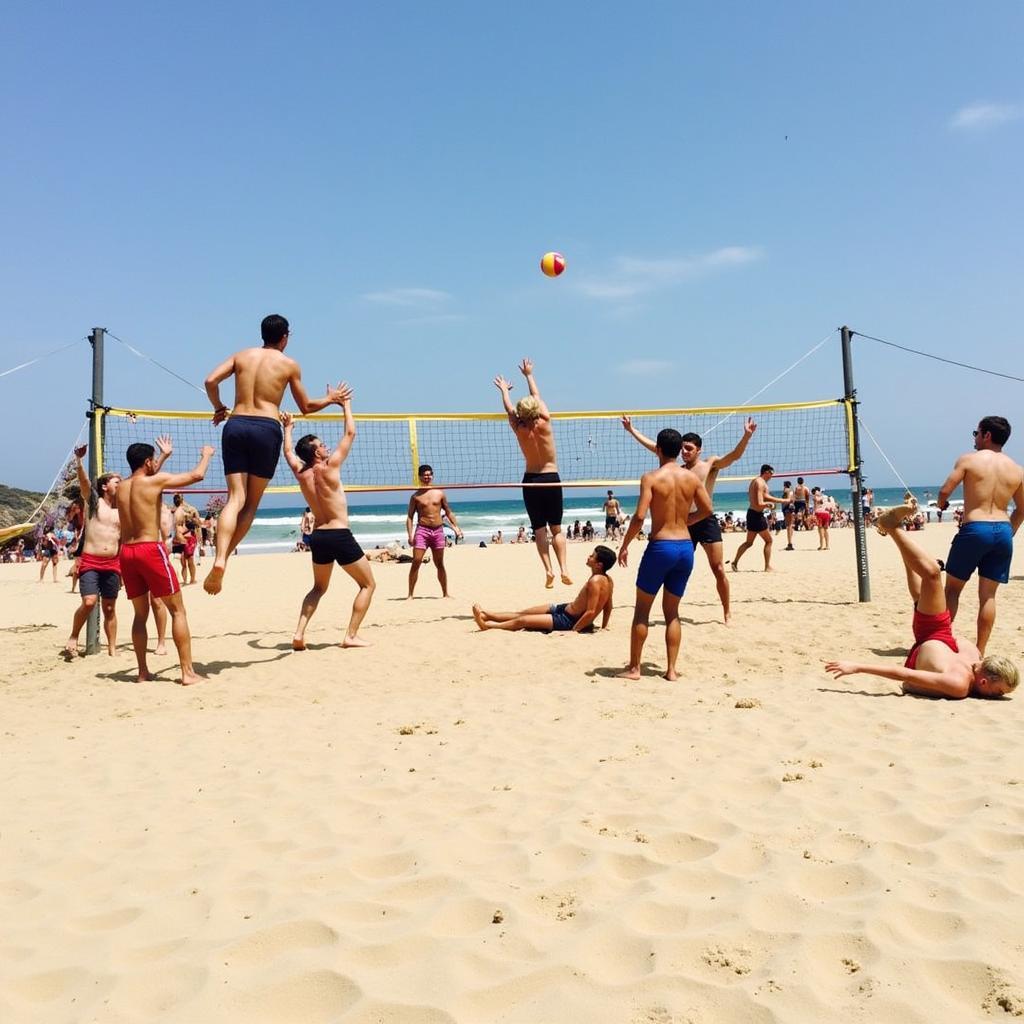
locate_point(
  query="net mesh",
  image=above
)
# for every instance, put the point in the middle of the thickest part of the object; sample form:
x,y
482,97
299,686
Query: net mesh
x,y
479,450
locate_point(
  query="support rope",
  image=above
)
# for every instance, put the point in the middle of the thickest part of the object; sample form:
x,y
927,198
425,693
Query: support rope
x,y
906,486
60,472
142,355
940,359
45,355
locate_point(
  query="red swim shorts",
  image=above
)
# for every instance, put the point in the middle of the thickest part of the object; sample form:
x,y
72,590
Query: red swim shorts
x,y
931,627
145,567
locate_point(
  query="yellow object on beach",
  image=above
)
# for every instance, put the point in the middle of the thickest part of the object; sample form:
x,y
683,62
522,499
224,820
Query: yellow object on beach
x,y
12,532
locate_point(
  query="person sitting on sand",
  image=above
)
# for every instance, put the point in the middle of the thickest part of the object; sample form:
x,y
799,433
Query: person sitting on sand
x,y
576,616
425,528
318,471
939,665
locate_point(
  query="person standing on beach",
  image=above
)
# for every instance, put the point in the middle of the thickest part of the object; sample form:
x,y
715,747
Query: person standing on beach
x,y
822,515
306,526
425,527
939,665
801,500
985,541
530,421
184,543
668,493
145,566
707,531
251,440
318,471
757,524
788,512
612,512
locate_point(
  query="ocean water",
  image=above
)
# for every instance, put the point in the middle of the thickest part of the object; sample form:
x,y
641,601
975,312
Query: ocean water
x,y
379,524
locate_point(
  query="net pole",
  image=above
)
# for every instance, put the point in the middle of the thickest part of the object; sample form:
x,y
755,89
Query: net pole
x,y
856,478
92,629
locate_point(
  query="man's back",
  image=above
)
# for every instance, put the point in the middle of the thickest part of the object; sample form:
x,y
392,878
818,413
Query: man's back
x,y
990,481
672,490
321,487
537,442
261,375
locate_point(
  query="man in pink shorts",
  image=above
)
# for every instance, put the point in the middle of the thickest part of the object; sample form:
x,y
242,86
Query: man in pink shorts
x,y
145,566
427,505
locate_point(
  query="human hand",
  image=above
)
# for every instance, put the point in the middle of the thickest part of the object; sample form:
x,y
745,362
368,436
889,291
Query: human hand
x,y
341,394
81,450
749,427
220,415
526,367
164,444
502,384
623,556
627,423
206,451
286,420
838,669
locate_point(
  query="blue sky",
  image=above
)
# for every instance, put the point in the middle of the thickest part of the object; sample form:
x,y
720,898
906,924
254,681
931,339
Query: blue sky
x,y
728,183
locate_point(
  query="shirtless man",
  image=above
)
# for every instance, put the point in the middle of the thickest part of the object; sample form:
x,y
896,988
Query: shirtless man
x,y
251,440
306,526
99,567
985,542
577,616
318,471
707,532
612,511
184,543
145,565
530,421
47,551
156,606
939,665
801,502
425,528
757,524
822,515
669,493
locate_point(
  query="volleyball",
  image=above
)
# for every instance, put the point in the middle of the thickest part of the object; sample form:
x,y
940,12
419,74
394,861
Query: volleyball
x,y
552,263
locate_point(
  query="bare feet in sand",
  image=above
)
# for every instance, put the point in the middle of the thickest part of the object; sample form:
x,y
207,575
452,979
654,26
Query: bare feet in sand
x,y
214,581
298,644
479,616
189,678
549,581
145,677
355,641
566,580
671,675
161,648
629,673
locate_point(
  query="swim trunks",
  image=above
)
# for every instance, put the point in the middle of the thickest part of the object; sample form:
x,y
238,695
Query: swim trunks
x,y
251,444
428,537
756,522
146,567
543,504
306,538
561,620
665,563
334,545
931,627
177,548
190,545
611,523
799,506
987,547
707,531
823,517
99,574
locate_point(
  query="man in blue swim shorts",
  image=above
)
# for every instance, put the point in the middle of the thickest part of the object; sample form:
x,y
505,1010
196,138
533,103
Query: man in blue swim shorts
x,y
668,493
251,440
985,541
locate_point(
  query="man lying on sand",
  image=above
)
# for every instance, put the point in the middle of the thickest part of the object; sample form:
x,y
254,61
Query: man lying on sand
x,y
578,615
939,665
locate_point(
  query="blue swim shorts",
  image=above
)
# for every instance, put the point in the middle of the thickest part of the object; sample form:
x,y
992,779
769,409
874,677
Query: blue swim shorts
x,y
987,547
561,620
251,444
666,563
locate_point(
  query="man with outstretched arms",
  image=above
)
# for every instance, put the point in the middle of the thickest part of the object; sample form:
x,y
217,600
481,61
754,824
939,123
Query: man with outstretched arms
x,y
99,567
425,528
707,532
530,421
985,541
757,522
318,471
939,665
145,565
669,493
251,440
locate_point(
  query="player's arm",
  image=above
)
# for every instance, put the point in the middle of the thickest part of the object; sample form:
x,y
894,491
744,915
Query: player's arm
x,y
212,385
526,369
170,481
447,510
702,500
307,405
607,610
85,484
593,606
505,386
627,425
953,481
410,512
914,680
1018,507
637,522
340,454
721,461
294,462
166,449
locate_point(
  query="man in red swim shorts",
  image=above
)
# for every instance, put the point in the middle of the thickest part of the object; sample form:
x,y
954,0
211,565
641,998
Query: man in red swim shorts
x,y
427,505
145,566
939,665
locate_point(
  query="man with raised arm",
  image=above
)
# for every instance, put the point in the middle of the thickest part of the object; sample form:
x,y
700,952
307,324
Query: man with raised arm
x,y
145,565
985,541
939,665
575,616
707,532
251,440
425,528
318,471
757,524
669,493
530,421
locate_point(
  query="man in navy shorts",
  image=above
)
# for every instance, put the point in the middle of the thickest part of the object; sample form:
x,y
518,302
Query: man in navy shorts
x,y
668,492
985,541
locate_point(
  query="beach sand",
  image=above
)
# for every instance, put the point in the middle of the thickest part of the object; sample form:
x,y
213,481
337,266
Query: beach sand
x,y
457,826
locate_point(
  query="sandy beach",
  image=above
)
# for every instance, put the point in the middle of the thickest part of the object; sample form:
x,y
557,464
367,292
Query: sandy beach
x,y
453,826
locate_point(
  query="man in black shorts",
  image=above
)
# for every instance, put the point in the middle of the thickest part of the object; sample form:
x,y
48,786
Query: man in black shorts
x,y
530,421
318,471
612,514
801,496
757,523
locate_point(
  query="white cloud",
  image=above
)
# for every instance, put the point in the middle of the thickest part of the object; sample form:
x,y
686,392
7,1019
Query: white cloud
x,y
644,367
634,277
416,297
981,116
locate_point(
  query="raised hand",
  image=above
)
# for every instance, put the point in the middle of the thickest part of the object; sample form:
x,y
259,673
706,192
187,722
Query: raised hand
x,y
501,384
627,423
286,420
341,394
526,367
749,427
81,450
207,451
163,442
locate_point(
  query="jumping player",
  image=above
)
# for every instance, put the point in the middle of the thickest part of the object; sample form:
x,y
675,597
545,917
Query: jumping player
x,y
757,524
939,665
318,471
426,507
251,440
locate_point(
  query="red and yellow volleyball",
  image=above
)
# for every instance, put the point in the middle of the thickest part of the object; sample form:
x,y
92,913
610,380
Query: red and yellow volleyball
x,y
552,263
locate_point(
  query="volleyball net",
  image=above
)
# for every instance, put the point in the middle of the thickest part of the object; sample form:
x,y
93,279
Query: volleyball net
x,y
476,450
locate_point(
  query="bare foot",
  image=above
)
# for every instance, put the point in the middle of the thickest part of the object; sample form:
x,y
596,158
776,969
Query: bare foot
x,y
355,641
71,651
145,677
671,675
893,518
111,650
161,648
629,673
549,581
566,580
409,598
479,616
298,644
214,581
726,618
734,567
189,678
